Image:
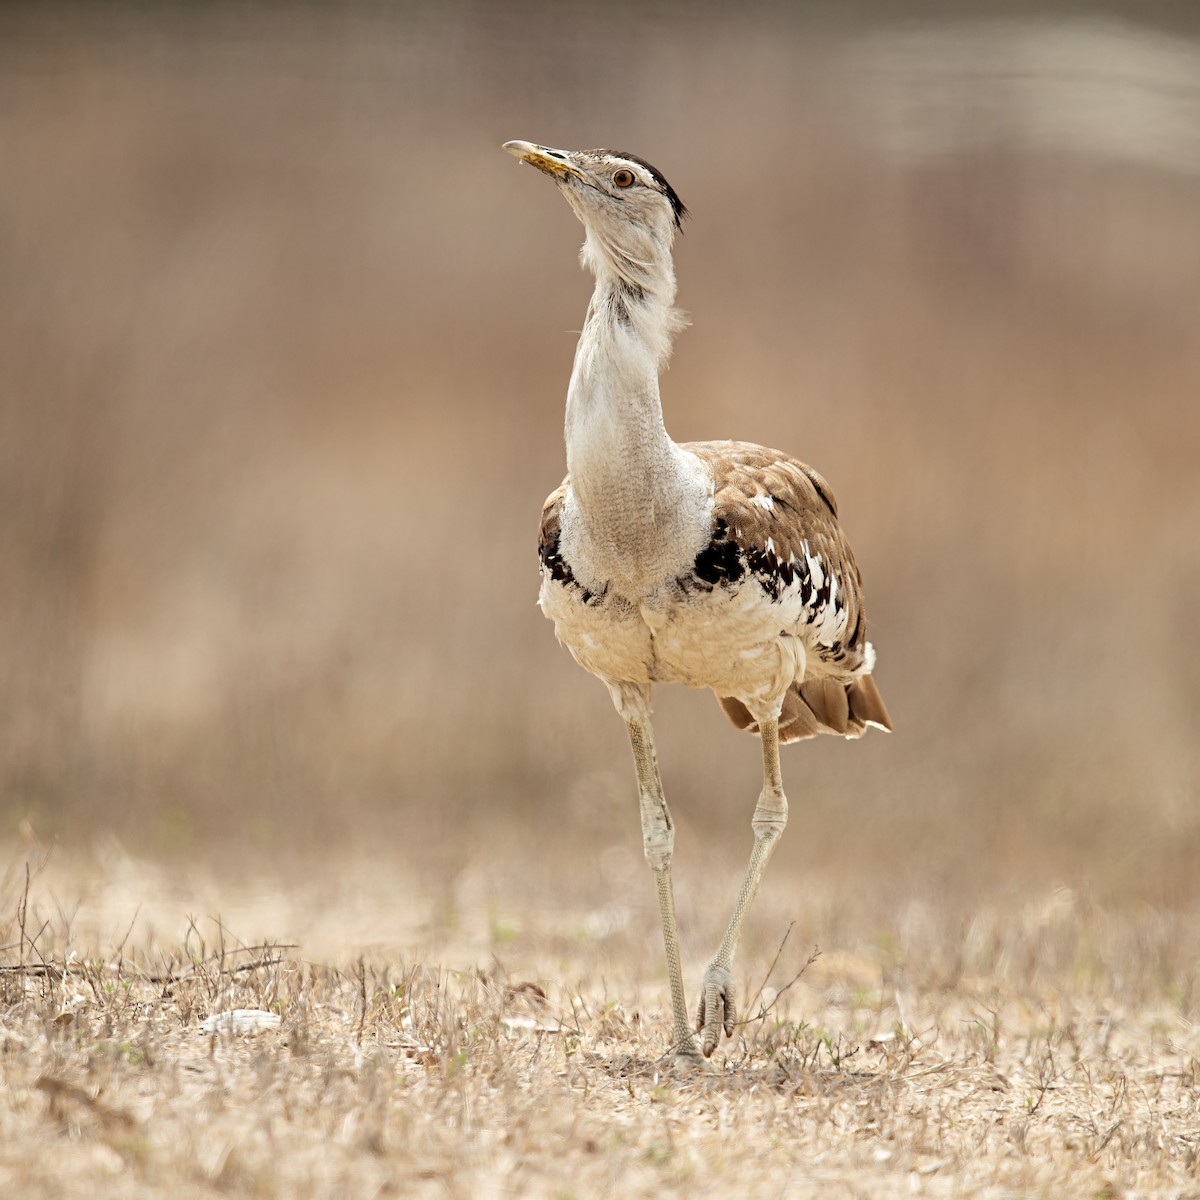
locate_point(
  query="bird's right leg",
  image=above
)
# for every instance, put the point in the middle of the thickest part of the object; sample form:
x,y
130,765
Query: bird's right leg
x,y
658,841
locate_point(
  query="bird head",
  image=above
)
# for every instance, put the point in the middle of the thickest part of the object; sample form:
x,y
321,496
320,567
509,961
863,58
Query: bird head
x,y
630,212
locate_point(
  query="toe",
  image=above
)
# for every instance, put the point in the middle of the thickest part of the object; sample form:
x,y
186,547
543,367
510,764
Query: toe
x,y
711,1032
716,1009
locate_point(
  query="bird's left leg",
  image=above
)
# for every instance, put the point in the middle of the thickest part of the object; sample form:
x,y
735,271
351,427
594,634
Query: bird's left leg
x,y
717,1008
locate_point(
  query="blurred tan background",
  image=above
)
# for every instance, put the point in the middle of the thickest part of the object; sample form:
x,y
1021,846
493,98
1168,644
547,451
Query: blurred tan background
x,y
284,339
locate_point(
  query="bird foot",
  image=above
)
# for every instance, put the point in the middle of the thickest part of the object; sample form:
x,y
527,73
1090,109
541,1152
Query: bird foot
x,y
686,1052
717,1009
685,1056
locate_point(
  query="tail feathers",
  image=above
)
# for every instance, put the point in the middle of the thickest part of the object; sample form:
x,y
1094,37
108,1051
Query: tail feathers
x,y
821,706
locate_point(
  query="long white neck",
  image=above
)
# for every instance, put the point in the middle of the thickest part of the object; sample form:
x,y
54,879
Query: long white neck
x,y
637,493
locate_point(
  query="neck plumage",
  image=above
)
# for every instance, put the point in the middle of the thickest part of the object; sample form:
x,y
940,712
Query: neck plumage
x,y
631,483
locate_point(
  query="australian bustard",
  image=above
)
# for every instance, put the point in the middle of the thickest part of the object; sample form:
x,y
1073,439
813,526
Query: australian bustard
x,y
715,564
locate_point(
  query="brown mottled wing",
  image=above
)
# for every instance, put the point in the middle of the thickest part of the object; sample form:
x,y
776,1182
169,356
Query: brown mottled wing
x,y
548,534
774,508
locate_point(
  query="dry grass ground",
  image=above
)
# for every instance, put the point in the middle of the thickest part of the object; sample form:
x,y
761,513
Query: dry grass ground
x,y
508,1048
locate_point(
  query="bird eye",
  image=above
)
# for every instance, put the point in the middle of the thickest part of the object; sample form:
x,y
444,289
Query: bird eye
x,y
623,178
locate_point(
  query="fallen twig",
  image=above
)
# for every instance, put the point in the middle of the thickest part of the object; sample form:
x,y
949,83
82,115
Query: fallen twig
x,y
762,1012
56,970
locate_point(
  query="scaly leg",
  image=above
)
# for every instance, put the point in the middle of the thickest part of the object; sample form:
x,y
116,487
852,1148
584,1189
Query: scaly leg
x,y
717,1008
658,841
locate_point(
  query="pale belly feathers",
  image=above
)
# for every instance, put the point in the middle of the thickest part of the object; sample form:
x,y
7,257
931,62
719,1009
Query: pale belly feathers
x,y
735,640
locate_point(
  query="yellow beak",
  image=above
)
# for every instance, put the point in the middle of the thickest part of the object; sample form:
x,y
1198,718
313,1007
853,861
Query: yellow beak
x,y
553,162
